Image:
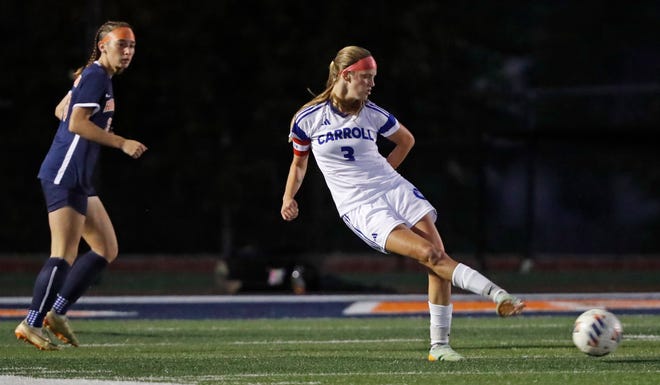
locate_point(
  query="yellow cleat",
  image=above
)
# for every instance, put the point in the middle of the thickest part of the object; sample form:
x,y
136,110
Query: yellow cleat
x,y
35,336
59,326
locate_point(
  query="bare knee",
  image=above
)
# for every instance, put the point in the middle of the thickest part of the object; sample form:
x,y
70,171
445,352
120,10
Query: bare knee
x,y
109,252
434,258
112,255
430,255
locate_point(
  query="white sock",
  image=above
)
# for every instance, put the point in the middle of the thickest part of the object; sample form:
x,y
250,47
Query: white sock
x,y
440,323
469,279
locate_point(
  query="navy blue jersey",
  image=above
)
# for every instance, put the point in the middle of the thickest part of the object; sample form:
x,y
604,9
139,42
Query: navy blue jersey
x,y
71,160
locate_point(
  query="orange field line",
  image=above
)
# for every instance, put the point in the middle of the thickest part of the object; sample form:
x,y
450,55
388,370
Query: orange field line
x,y
556,305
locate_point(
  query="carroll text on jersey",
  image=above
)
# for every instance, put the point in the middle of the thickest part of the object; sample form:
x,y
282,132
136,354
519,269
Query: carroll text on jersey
x,y
346,133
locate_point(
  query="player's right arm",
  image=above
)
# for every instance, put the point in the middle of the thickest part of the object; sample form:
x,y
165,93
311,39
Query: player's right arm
x,y
297,173
80,124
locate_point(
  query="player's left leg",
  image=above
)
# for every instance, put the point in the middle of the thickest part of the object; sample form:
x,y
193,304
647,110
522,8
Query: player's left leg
x,y
440,307
99,232
100,235
440,310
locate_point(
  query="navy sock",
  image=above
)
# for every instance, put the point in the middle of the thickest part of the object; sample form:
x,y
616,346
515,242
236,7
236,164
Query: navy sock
x,y
81,276
48,282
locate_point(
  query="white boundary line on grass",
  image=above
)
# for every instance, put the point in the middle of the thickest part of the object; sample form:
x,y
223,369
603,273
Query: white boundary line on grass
x,y
21,380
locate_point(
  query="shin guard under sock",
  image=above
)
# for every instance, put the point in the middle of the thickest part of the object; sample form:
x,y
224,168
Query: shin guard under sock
x,y
81,276
48,282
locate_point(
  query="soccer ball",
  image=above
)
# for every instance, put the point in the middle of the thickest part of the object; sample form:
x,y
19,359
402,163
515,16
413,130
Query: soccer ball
x,y
597,332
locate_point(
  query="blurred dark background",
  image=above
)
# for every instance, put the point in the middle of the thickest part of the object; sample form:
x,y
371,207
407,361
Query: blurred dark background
x,y
537,123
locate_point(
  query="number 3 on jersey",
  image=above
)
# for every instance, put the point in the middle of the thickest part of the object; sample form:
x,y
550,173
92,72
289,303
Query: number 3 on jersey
x,y
348,153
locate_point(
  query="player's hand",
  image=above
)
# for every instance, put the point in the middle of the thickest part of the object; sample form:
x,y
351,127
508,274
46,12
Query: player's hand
x,y
133,148
289,209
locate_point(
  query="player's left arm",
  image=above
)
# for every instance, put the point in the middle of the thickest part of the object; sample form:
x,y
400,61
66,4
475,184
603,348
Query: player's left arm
x,y
404,142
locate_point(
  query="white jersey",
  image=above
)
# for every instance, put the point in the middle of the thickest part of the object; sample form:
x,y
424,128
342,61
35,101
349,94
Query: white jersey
x,y
345,150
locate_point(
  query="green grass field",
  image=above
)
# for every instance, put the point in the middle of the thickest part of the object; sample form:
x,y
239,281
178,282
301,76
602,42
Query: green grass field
x,y
524,350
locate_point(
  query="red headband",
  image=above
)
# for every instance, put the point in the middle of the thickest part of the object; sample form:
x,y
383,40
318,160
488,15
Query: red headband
x,y
366,63
119,33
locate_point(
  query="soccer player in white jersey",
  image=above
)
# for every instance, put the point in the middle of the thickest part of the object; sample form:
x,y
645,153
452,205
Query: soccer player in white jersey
x,y
74,208
340,127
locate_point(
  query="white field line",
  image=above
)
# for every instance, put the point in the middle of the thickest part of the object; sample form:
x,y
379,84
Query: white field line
x,y
641,337
432,373
637,337
21,380
261,342
330,342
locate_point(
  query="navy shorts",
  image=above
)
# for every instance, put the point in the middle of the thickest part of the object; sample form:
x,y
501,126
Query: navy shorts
x,y
59,196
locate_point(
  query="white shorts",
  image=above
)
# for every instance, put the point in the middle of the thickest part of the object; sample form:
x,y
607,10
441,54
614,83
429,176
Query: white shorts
x,y
374,221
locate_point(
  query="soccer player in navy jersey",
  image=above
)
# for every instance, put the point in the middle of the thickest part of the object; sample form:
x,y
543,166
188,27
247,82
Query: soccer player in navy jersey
x,y
340,127
74,208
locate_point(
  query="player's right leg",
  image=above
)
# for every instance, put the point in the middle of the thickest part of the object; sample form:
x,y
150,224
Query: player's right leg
x,y
467,278
35,336
66,225
99,234
414,243
508,305
48,281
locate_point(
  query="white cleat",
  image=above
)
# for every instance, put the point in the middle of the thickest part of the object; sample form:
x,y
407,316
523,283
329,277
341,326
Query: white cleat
x,y
440,352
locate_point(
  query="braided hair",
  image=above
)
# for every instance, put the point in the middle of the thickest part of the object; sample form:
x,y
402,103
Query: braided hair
x,y
106,28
